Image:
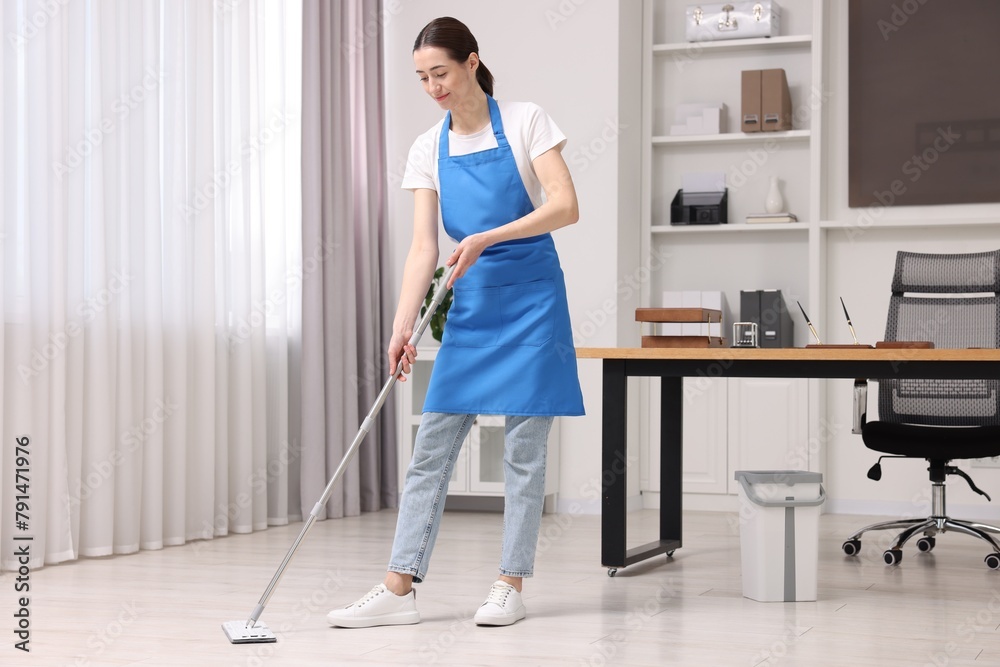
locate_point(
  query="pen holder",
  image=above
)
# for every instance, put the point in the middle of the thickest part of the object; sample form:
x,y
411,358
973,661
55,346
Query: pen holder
x,y
745,334
904,345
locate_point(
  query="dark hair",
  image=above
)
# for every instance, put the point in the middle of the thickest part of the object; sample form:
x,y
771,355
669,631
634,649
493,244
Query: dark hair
x,y
455,37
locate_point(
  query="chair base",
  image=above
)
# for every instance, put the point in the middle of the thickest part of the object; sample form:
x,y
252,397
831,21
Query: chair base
x,y
930,527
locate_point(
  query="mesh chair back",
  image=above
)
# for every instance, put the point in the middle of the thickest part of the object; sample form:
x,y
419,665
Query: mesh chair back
x,y
963,312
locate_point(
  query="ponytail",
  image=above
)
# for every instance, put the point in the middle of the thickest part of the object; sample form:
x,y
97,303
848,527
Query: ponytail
x,y
485,79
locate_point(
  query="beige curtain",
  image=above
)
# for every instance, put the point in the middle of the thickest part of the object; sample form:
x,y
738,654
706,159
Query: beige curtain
x,y
346,321
151,266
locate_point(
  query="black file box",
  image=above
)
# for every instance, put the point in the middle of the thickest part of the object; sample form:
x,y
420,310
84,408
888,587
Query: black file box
x,y
767,308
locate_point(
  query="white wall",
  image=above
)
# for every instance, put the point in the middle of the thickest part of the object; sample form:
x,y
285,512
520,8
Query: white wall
x,y
860,264
564,56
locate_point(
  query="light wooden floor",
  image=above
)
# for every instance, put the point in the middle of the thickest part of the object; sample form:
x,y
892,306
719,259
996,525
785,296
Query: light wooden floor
x,y
166,607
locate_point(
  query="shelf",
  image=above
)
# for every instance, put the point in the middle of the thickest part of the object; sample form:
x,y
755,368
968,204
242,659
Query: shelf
x,y
735,228
730,138
763,43
908,224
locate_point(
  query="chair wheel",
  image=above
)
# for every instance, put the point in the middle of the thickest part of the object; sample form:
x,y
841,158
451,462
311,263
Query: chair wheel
x,y
993,561
926,544
612,571
851,547
892,556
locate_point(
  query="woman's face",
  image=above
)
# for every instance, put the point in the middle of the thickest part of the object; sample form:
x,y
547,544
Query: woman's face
x,y
448,82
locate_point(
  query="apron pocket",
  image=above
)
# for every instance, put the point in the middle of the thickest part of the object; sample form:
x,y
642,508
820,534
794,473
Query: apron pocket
x,y
527,312
474,318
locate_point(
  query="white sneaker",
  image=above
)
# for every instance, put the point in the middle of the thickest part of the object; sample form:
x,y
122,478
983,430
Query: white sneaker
x,y
503,606
379,607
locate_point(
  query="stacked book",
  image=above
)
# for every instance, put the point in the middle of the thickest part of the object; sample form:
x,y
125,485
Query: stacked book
x,y
762,218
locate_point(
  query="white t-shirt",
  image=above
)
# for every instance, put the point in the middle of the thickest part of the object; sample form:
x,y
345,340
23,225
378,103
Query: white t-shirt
x,y
529,131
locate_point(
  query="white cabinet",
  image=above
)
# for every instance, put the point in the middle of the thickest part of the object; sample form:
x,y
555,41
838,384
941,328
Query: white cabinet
x,y
479,470
736,423
768,426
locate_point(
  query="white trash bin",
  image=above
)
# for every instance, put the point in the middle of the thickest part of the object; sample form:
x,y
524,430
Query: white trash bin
x,y
779,533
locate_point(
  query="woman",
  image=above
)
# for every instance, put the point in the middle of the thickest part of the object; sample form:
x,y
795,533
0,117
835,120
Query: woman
x,y
507,347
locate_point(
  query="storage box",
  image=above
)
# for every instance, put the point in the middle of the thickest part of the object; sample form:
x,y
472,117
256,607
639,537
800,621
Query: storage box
x,y
734,20
766,103
779,533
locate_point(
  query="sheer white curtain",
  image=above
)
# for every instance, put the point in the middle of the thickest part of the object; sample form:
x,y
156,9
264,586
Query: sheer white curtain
x,y
151,271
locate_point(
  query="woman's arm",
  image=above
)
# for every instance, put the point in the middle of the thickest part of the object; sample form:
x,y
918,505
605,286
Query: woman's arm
x,y
559,210
421,262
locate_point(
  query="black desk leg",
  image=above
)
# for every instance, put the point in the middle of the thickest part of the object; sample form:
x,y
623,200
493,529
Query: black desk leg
x,y
613,464
671,457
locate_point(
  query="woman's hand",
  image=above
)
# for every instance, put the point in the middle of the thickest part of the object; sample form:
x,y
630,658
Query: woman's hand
x,y
465,255
399,348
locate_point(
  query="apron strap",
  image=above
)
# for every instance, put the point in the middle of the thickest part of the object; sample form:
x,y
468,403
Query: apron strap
x,y
495,121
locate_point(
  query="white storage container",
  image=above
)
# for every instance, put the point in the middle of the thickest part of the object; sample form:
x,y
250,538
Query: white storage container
x,y
779,533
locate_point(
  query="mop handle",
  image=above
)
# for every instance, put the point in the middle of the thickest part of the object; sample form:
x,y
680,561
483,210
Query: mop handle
x,y
362,432
425,320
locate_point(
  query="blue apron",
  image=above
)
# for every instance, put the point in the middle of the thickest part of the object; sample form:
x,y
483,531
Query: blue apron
x,y
508,346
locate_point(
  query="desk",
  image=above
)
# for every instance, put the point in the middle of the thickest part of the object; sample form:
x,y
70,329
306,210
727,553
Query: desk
x,y
672,365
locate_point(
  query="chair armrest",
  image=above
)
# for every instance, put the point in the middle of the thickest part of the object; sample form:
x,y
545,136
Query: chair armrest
x,y
860,405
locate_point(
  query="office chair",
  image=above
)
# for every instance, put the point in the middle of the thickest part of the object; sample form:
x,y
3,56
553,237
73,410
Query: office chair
x,y
938,420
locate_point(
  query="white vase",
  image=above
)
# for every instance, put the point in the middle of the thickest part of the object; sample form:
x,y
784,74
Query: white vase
x,y
774,203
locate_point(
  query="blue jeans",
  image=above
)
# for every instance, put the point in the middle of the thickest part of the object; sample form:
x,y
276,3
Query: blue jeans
x,y
438,442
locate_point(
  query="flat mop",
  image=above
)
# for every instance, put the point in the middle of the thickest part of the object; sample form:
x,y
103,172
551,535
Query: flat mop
x,y
253,632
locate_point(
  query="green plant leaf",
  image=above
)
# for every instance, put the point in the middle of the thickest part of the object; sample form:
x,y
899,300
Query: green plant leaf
x,y
440,316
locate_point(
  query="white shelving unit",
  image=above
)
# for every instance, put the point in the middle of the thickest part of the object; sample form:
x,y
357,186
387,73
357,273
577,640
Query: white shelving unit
x,y
738,423
833,251
478,471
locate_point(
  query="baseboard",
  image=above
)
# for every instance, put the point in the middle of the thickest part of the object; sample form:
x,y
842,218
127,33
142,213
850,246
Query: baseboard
x,y
903,509
593,505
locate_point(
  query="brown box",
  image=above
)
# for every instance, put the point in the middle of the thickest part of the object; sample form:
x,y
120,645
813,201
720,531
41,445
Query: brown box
x,y
750,117
775,101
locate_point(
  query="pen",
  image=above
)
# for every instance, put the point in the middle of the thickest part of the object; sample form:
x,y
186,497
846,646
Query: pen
x,y
811,327
849,325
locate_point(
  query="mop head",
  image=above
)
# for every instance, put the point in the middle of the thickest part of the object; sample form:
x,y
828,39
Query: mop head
x,y
239,633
